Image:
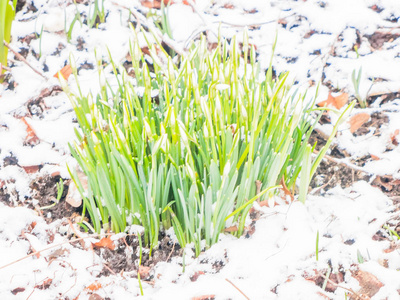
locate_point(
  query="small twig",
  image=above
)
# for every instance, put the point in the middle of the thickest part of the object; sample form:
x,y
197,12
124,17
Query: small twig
x,y
109,269
2,67
20,57
143,21
237,288
345,164
258,189
72,268
339,286
253,24
51,247
77,234
138,23
172,250
191,3
317,189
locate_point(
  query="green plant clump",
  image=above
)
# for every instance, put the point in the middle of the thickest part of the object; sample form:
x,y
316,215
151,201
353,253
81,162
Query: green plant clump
x,y
7,14
190,145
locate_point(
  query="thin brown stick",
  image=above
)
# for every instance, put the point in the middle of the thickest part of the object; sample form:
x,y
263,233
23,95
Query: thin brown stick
x,y
77,234
344,163
339,286
143,21
50,247
237,288
172,250
317,189
138,23
20,57
253,24
109,269
2,67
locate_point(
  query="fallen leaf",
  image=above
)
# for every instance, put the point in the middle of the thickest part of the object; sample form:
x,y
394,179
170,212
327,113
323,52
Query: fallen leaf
x,y
57,254
56,173
65,72
144,271
32,169
196,275
391,248
229,6
204,297
337,102
31,138
95,297
31,227
31,239
285,189
157,3
357,121
18,290
231,229
94,286
268,202
319,280
393,137
370,285
105,242
374,157
379,182
73,197
45,284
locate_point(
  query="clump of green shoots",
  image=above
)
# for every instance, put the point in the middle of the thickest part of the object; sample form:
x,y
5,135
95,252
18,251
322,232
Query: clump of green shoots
x,y
96,13
356,79
7,15
183,145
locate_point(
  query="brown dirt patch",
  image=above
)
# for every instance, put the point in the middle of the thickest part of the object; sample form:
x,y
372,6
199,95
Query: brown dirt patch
x,y
378,38
126,257
44,189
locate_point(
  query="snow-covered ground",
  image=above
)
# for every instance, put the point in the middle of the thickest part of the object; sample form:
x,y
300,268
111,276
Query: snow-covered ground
x,y
318,41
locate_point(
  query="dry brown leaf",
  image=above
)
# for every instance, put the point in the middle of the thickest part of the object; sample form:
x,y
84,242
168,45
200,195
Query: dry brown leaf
x,y
105,242
31,138
358,120
391,248
231,229
379,182
44,285
95,297
337,102
285,189
204,297
157,3
18,290
29,237
196,275
370,285
74,197
65,72
374,157
94,286
393,137
31,169
144,271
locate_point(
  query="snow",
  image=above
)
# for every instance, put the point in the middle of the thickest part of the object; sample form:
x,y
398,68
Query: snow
x,y
275,261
